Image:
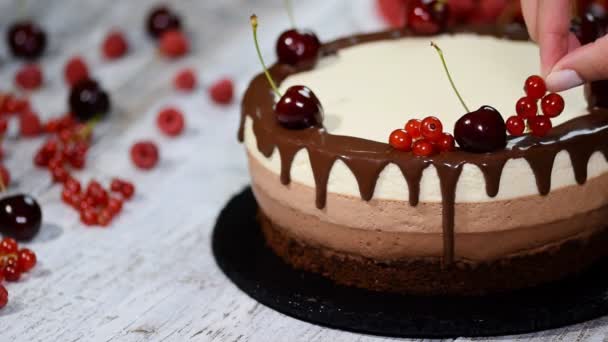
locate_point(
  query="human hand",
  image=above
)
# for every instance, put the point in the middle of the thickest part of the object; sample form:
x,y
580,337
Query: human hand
x,y
565,63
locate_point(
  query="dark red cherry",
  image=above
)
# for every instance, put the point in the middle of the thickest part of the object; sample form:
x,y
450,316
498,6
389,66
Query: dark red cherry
x,y
88,100
161,20
481,131
295,47
20,217
26,40
591,25
299,108
428,16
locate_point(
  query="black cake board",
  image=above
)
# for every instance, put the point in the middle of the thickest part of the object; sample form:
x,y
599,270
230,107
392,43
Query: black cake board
x,y
241,253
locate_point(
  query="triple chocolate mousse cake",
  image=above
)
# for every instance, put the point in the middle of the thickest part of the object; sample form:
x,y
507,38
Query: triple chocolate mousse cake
x,y
494,212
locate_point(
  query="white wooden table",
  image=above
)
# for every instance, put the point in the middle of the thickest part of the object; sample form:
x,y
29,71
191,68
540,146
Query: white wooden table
x,y
151,276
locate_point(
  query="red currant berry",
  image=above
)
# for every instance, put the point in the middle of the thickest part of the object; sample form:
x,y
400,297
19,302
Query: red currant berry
x,y
116,184
535,87
105,218
185,80
446,143
89,216
29,124
526,108
8,246
222,91
3,126
60,174
170,121
26,260
174,44
127,190
423,148
401,140
115,45
431,128
41,159
67,196
516,125
540,125
145,155
75,71
412,127
3,295
12,273
552,105
29,77
114,205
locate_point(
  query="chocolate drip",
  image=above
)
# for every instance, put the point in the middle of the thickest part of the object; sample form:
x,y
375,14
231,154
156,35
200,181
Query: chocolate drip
x,y
581,137
448,178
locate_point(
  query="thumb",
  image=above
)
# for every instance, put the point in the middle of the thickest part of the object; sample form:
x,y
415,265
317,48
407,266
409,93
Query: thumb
x,y
585,64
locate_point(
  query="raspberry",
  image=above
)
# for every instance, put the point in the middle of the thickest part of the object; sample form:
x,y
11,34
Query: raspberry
x,y
115,45
222,91
185,80
174,44
29,77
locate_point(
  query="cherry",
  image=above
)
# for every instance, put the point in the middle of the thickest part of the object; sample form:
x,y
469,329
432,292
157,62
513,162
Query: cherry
x,y
431,128
88,100
8,246
20,217
423,148
144,155
162,19
516,125
299,107
26,40
174,44
446,143
185,80
526,107
222,91
26,260
400,140
3,295
540,125
412,127
552,105
535,87
427,17
591,26
481,131
296,47
75,71
29,77
115,45
170,121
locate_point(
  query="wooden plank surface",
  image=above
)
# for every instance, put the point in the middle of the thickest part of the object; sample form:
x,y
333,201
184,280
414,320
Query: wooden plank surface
x,y
151,276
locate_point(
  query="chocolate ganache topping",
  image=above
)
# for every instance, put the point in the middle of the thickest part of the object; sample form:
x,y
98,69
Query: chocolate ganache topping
x,y
580,137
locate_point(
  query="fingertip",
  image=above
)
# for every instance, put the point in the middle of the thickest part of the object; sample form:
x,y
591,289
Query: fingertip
x,y
560,80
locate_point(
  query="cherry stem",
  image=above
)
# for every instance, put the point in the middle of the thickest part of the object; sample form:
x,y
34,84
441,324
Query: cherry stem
x,y
289,7
254,26
447,71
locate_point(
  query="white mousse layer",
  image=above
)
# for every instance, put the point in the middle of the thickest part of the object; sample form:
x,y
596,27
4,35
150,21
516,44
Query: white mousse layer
x,y
369,90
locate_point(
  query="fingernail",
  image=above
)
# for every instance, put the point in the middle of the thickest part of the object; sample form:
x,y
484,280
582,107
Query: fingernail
x,y
563,80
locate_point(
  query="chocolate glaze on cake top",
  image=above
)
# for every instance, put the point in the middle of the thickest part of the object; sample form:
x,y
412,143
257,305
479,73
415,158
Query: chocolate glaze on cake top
x,y
581,137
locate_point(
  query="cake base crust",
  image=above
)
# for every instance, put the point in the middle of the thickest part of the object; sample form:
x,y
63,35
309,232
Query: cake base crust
x,y
427,276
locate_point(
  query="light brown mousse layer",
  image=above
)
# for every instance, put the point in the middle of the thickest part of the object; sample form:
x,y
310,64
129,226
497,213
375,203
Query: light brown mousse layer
x,y
394,230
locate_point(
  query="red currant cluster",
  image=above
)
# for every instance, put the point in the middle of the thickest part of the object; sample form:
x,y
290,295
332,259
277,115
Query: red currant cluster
x,y
13,263
552,105
424,138
95,204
